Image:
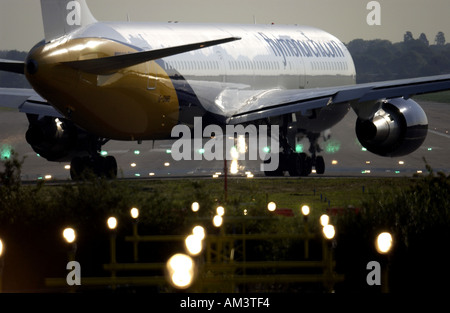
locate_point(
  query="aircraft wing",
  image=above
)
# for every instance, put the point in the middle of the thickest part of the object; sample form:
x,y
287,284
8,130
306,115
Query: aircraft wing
x,y
362,97
26,101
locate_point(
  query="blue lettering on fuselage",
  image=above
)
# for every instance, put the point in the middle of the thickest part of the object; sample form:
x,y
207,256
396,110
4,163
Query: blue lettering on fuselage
x,y
288,47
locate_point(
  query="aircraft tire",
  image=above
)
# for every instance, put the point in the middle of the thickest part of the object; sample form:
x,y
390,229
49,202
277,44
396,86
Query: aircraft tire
x,y
320,165
277,172
77,166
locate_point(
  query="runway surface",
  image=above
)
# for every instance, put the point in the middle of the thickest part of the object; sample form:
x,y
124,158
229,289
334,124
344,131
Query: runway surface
x,y
343,154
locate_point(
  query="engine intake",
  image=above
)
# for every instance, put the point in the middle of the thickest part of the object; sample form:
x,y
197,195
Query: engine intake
x,y
52,138
398,128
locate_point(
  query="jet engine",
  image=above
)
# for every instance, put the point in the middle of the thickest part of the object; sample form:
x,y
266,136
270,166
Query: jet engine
x,y
398,128
52,138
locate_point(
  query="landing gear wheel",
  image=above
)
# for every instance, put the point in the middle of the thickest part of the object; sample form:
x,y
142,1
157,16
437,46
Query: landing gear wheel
x,y
102,167
278,171
77,166
295,162
110,167
320,165
299,164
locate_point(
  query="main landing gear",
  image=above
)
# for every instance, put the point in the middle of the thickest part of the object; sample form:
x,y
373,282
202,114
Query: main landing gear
x,y
298,164
94,164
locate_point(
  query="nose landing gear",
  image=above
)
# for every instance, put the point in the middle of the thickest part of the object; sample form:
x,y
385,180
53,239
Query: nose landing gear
x,y
98,165
94,163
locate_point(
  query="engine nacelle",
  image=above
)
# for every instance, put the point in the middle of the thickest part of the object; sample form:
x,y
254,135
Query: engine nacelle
x,y
398,128
52,138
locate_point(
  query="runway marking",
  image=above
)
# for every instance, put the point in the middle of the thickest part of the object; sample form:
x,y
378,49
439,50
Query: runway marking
x,y
438,133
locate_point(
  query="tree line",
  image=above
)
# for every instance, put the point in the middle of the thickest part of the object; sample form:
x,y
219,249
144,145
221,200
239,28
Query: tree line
x,y
375,60
379,60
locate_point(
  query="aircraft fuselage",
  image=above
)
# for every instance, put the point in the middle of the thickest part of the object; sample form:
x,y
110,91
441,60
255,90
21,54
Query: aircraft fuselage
x,y
146,101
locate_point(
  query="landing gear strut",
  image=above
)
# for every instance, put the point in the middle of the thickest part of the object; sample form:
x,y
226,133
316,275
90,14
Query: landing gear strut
x,y
298,164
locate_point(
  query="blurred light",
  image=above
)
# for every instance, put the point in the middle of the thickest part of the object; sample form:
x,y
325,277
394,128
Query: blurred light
x,y
193,244
234,153
324,220
334,162
137,152
201,151
250,175
5,152
329,231
180,268
133,164
137,175
199,231
217,220
112,223
430,149
104,153
363,149
234,167
368,162
134,213
166,164
195,206
69,235
384,243
397,172
245,212
401,162
151,174
215,176
332,146
220,211
241,144
419,172
299,148
266,149
305,210
1,247
67,167
271,206
47,177
168,151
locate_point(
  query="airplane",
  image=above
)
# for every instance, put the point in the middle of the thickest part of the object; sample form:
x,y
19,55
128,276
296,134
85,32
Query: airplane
x,y
98,81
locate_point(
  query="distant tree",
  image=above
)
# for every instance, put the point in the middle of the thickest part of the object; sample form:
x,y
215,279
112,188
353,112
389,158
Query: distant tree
x,y
408,37
440,39
423,38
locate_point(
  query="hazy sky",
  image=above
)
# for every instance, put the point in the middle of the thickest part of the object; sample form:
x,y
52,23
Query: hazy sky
x,y
21,22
